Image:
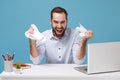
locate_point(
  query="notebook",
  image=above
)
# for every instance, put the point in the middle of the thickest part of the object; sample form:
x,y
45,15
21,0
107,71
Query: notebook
x,y
102,58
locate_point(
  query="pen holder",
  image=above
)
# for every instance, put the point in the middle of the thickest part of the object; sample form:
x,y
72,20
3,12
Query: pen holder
x,y
8,66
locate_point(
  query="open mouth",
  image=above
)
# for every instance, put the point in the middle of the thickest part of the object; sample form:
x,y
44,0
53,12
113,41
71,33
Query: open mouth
x,y
59,31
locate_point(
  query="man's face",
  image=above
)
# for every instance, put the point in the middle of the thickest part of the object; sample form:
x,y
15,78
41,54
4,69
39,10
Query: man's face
x,y
59,24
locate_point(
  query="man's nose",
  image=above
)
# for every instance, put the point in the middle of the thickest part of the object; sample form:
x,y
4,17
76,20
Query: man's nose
x,y
59,25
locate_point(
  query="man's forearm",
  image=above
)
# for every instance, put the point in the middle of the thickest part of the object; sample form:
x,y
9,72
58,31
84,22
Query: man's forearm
x,y
33,49
82,49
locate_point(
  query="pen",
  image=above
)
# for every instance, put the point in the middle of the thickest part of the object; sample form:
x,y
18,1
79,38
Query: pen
x,y
4,57
9,57
13,56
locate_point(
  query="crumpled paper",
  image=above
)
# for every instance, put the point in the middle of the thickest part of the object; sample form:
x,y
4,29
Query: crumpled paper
x,y
82,30
36,35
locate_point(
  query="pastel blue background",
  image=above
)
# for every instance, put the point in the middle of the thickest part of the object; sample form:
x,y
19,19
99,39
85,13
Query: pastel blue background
x,y
101,16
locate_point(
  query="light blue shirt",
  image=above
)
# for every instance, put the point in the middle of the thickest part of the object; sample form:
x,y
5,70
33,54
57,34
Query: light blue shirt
x,y
59,51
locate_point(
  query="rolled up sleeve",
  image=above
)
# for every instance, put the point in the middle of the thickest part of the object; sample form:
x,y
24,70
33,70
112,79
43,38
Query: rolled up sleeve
x,y
75,48
41,51
36,60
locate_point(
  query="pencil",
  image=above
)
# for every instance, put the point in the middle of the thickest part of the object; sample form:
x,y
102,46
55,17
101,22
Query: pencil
x,y
4,57
13,56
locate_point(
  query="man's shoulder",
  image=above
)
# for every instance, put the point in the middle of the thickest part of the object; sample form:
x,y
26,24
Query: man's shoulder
x,y
71,31
47,31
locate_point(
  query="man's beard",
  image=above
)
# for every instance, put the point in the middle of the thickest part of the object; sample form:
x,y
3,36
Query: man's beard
x,y
56,30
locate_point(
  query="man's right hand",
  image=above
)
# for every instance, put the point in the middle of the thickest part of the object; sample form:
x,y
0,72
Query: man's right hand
x,y
33,33
31,30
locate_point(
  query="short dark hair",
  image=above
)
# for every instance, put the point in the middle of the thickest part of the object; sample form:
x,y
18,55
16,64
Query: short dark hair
x,y
58,10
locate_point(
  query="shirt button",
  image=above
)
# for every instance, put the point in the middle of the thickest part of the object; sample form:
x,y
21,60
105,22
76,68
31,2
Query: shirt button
x,y
59,56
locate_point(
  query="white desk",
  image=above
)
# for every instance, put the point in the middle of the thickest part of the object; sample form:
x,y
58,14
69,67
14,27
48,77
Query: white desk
x,y
57,72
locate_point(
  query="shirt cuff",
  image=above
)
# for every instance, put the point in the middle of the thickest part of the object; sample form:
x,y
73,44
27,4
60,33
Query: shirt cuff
x,y
79,61
35,60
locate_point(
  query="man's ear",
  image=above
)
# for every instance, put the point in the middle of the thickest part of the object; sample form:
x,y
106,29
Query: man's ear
x,y
50,21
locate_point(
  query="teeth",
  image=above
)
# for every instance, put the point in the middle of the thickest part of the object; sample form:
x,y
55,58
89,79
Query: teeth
x,y
59,30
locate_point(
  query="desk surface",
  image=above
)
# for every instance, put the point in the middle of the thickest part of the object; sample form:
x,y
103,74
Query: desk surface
x,y
56,71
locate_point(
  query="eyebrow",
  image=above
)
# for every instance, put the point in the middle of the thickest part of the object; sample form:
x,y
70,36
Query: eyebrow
x,y
58,21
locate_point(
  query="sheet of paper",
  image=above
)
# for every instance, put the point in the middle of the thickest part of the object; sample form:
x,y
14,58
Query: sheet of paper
x,y
82,30
36,35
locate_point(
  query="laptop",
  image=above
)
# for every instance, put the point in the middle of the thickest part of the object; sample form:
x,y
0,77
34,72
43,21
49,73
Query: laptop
x,y
102,58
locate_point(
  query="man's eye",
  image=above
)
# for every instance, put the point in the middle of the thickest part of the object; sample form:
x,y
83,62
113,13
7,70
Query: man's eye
x,y
55,22
62,22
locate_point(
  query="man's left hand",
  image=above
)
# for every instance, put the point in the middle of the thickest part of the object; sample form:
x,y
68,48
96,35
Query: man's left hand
x,y
89,34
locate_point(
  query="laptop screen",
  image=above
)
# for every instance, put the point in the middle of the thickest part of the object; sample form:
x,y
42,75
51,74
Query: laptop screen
x,y
103,57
